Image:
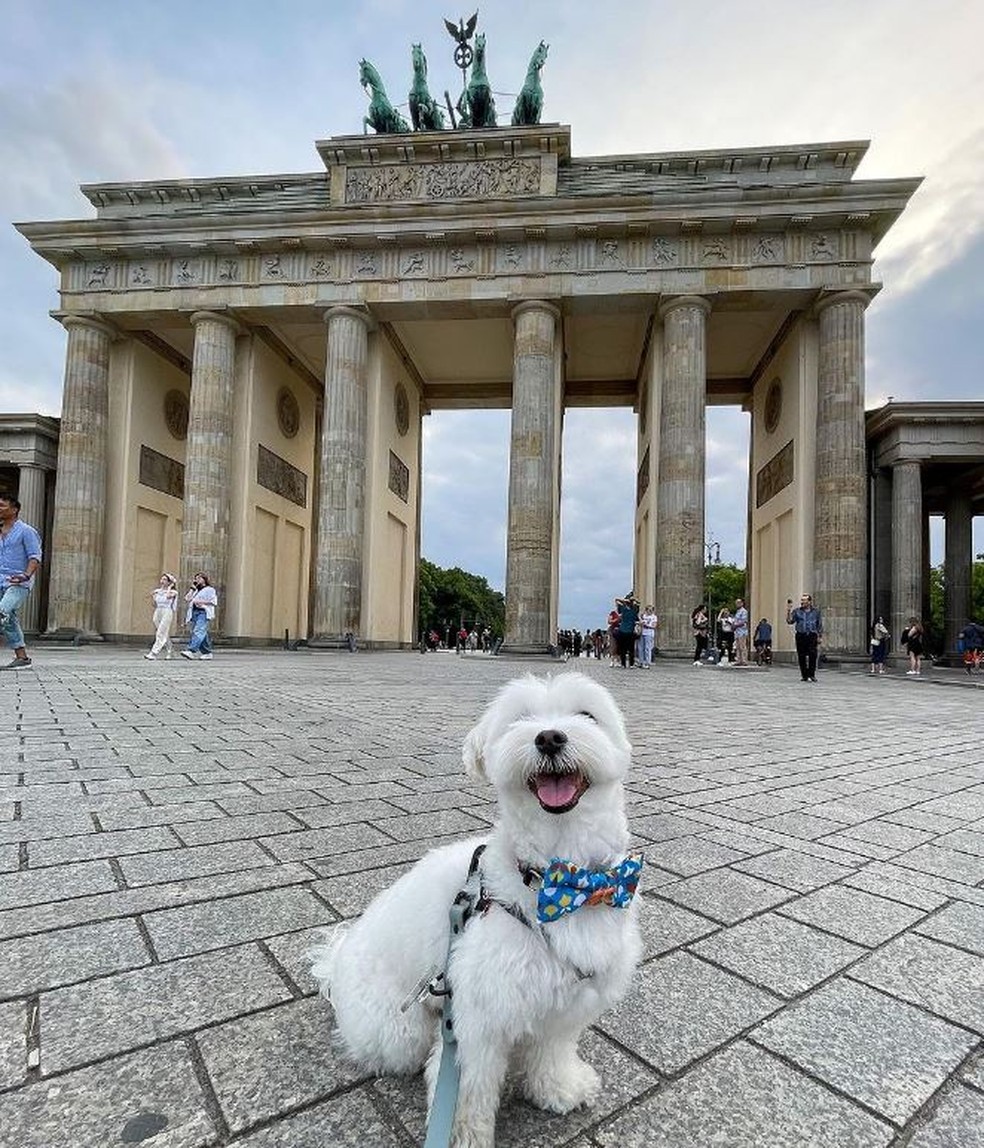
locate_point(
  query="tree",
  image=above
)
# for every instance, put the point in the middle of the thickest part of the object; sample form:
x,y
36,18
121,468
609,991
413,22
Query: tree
x,y
724,584
452,598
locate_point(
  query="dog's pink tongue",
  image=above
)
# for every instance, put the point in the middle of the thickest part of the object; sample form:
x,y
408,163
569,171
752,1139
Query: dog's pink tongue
x,y
555,789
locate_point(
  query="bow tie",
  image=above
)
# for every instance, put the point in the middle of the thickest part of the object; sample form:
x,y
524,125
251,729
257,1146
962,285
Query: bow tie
x,y
567,887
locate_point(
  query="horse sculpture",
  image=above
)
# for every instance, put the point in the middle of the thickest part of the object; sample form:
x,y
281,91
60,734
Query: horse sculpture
x,y
424,110
529,103
383,117
476,105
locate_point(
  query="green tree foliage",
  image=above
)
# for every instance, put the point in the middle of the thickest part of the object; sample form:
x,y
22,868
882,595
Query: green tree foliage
x,y
455,597
937,593
724,584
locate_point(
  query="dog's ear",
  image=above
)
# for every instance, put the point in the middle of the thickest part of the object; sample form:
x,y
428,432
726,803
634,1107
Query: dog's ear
x,y
473,753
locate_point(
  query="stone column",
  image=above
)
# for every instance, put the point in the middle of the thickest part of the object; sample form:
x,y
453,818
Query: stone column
x,y
76,544
208,451
907,548
680,481
342,487
534,482
30,492
840,554
958,561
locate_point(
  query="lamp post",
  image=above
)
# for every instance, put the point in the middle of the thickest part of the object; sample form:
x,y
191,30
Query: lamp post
x,y
713,549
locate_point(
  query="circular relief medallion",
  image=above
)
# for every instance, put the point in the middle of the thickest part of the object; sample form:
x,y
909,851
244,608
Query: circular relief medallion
x,y
288,413
773,405
176,414
401,404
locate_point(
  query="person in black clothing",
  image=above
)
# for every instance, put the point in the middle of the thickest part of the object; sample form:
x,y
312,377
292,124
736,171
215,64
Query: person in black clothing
x,y
809,634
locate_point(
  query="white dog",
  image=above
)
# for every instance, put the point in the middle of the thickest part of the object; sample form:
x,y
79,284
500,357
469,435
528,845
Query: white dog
x,y
524,988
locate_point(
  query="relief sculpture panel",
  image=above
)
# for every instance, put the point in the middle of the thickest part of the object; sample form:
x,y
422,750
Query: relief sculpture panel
x,y
481,179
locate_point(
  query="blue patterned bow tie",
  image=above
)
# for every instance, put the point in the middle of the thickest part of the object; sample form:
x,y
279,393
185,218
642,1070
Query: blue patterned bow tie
x,y
567,887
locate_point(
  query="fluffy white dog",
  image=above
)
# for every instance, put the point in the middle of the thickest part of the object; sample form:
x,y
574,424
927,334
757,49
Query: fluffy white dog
x,y
525,984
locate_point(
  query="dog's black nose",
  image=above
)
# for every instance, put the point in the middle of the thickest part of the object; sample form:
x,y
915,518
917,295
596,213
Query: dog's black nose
x,y
550,741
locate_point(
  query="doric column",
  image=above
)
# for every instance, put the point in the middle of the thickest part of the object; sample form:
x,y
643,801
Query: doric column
x,y
840,552
958,561
30,492
76,545
680,485
342,489
208,450
534,481
907,548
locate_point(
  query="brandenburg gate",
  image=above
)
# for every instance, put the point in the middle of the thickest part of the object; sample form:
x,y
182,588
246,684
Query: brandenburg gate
x,y
249,362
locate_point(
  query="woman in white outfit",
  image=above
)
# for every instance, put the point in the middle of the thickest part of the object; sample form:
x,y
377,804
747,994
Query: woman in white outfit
x,y
165,597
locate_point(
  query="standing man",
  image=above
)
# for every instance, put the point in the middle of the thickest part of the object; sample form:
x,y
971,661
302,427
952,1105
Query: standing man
x,y
740,619
809,633
628,616
20,556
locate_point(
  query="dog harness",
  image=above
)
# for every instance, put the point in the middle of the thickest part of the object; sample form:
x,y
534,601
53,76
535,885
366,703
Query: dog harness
x,y
564,888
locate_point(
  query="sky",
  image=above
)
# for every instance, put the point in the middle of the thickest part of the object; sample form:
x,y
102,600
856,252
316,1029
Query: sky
x,y
142,90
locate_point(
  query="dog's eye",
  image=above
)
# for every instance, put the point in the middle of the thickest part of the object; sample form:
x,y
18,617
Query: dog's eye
x,y
589,716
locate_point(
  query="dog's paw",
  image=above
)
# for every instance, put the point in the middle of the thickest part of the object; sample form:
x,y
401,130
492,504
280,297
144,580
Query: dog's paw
x,y
575,1086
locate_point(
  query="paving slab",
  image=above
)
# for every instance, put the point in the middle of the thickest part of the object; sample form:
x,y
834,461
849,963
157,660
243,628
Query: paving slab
x,y
888,1054
117,1013
745,1098
126,1100
698,1008
957,1122
781,955
853,834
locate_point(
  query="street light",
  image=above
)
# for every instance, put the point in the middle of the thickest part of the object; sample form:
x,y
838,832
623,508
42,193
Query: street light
x,y
713,550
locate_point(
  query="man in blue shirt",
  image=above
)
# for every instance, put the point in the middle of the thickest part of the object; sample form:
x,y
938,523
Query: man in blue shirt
x,y
809,633
20,557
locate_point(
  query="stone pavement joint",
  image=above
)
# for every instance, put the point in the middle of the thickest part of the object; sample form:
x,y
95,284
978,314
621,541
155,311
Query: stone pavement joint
x,y
812,905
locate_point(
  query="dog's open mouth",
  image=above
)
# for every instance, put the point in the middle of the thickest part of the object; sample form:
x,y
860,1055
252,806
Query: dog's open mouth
x,y
558,790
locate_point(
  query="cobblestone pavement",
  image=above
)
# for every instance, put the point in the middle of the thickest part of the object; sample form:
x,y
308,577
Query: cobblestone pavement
x,y
173,835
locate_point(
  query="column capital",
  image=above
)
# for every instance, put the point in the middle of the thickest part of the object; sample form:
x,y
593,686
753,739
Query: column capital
x,y
351,311
217,317
90,322
854,295
672,302
535,305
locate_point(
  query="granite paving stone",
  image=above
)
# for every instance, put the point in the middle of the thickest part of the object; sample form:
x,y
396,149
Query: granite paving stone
x,y
872,881
974,1072
690,855
13,1044
9,858
442,823
320,843
781,955
956,1122
112,844
215,924
37,886
350,893
44,960
197,861
666,926
745,1098
794,869
698,1007
274,1061
945,980
665,826
940,862
961,925
851,913
347,1121
888,834
888,1054
90,1021
291,951
726,895
237,828
344,813
800,824
964,841
150,815
125,1100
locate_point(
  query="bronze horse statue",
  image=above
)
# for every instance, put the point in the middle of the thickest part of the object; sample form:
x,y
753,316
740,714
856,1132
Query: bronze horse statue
x,y
382,117
529,103
476,105
425,113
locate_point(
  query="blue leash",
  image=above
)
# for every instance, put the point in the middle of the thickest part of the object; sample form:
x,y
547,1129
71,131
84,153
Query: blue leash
x,y
441,1118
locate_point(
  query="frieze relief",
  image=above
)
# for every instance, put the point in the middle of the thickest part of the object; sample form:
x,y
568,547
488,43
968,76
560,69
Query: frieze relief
x,y
479,179
532,255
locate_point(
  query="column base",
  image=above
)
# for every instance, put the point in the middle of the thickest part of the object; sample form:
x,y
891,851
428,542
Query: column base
x,y
334,642
527,650
71,635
